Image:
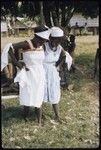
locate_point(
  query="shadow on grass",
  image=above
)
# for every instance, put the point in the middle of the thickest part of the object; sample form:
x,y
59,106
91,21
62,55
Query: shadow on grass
x,y
84,72
14,115
86,60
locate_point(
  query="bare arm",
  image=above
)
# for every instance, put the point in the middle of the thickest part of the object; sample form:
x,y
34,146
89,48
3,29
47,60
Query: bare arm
x,y
14,60
61,58
16,47
21,45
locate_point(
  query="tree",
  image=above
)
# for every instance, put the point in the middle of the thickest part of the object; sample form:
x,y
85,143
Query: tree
x,y
46,13
42,21
64,10
8,8
56,13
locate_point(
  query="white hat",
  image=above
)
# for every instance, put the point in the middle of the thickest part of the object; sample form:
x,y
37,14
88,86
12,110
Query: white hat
x,y
44,34
56,32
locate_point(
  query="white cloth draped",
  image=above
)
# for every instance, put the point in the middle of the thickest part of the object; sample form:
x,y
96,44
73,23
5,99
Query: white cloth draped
x,y
4,56
68,60
32,82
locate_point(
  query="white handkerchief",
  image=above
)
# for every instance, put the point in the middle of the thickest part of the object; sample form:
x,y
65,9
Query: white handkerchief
x,y
68,60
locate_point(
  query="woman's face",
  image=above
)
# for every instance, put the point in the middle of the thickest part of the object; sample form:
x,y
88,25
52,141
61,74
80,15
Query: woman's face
x,y
40,41
55,41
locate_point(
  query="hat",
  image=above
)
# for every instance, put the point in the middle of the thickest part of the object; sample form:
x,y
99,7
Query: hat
x,y
56,32
42,31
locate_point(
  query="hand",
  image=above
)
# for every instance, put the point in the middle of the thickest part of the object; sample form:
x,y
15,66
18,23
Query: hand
x,y
21,65
27,69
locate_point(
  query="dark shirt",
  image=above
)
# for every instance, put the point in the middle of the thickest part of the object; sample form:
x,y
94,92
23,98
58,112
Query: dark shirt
x,y
71,47
65,44
61,58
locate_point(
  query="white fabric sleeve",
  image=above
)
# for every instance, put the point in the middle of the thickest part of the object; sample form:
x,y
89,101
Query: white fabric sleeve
x,y
4,56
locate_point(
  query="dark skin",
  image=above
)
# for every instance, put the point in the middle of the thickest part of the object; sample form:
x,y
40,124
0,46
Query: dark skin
x,y
54,42
37,42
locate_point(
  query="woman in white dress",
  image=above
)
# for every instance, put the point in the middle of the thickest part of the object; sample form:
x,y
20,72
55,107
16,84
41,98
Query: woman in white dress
x,y
31,76
54,57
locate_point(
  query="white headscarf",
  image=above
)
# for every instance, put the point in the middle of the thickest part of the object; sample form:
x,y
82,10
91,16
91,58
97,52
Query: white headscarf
x,y
44,34
56,32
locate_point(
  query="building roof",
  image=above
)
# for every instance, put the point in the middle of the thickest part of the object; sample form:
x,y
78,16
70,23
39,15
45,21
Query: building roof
x,y
81,21
19,25
30,24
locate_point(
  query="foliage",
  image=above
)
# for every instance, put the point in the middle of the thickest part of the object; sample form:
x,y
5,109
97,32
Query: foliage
x,y
56,13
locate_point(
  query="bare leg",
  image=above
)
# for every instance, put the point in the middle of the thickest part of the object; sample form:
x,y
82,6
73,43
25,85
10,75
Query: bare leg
x,y
26,112
56,111
38,114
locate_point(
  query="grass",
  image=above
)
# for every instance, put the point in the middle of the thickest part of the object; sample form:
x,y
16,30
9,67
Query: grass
x,y
79,109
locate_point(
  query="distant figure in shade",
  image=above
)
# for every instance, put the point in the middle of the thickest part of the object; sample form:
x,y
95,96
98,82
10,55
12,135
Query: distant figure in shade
x,y
76,29
85,29
69,45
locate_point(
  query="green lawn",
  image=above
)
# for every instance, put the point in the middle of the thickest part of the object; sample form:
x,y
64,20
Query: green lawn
x,y
79,109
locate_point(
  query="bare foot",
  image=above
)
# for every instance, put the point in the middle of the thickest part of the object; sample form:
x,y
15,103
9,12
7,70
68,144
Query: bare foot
x,y
40,124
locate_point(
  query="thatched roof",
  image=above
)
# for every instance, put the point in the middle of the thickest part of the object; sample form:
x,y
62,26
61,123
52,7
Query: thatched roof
x,y
19,25
30,24
26,22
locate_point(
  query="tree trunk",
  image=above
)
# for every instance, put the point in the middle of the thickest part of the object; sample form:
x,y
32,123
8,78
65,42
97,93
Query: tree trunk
x,y
55,18
57,4
69,16
63,16
42,21
47,15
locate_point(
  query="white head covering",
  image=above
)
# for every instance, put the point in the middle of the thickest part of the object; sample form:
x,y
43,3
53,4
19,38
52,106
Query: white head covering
x,y
56,32
44,34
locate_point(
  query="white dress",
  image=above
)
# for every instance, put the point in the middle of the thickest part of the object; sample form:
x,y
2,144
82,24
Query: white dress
x,y
32,82
52,86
